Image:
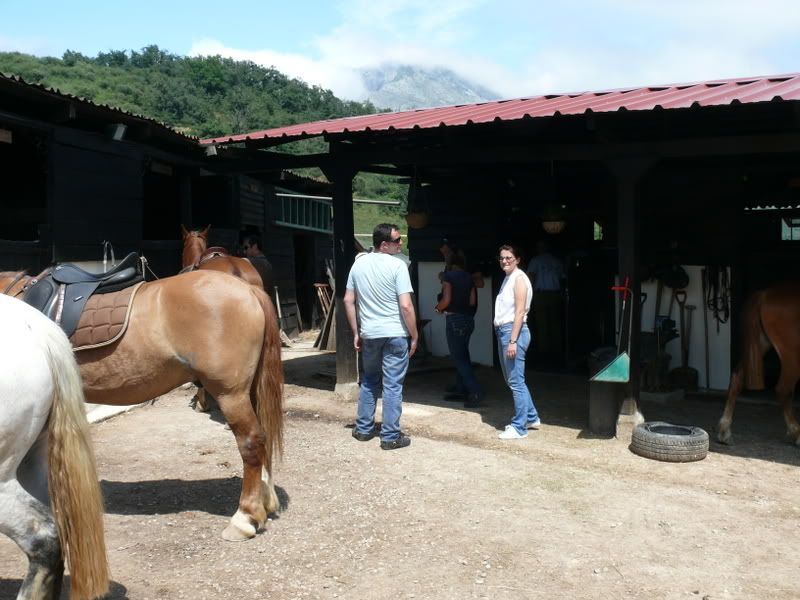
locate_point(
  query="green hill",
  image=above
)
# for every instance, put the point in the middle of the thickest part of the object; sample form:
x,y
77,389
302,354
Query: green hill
x,y
205,97
202,96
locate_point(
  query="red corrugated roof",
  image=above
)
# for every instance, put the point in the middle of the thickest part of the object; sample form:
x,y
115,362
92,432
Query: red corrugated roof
x,y
685,95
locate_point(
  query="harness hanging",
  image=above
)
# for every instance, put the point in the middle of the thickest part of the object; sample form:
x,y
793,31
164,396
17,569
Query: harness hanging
x,y
718,293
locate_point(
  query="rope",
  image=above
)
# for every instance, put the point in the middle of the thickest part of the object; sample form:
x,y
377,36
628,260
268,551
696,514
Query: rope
x,y
146,267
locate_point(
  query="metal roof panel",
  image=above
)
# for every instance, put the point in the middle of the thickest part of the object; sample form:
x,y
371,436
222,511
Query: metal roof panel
x,y
709,93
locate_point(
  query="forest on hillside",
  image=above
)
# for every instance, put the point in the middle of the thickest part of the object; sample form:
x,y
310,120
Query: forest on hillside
x,y
203,96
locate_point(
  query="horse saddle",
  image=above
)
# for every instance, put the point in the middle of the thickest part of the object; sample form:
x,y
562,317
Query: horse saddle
x,y
63,291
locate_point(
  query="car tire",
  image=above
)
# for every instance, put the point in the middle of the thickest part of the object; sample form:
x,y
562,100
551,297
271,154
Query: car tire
x,y
668,442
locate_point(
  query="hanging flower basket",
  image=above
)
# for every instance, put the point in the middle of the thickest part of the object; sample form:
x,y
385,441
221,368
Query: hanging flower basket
x,y
417,220
553,227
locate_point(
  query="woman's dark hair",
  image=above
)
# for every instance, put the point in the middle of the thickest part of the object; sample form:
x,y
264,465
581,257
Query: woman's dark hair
x,y
382,233
513,249
457,259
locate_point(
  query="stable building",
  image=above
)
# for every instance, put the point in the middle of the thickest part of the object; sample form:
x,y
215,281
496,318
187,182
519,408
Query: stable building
x,y
77,175
624,183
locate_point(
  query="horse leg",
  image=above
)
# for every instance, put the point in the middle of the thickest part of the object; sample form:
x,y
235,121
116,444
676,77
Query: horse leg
x,y
203,401
250,438
734,389
785,392
30,524
271,502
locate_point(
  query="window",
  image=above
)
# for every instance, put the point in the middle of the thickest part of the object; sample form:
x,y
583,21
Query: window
x,y
790,228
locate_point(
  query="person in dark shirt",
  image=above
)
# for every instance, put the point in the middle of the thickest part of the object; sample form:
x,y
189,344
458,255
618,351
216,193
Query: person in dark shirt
x,y
251,247
448,250
458,301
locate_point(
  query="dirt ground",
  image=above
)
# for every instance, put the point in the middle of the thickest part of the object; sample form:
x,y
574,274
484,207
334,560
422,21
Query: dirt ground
x,y
458,514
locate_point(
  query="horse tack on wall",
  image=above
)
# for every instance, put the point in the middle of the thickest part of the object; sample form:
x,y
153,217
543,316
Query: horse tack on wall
x,y
179,331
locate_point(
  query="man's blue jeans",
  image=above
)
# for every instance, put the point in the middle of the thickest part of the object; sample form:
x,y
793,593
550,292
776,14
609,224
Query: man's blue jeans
x,y
459,328
514,374
383,359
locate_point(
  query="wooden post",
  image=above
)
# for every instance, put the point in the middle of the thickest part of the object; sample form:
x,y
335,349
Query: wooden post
x,y
629,174
346,360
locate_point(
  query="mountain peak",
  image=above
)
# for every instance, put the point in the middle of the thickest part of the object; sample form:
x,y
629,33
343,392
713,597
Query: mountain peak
x,y
406,87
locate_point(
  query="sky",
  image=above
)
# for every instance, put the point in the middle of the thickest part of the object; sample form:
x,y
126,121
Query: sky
x,y
515,48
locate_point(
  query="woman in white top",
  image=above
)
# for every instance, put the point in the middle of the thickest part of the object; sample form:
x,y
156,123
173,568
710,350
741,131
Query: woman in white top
x,y
513,340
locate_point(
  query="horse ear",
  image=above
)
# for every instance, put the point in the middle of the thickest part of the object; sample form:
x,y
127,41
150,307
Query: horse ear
x,y
184,232
204,233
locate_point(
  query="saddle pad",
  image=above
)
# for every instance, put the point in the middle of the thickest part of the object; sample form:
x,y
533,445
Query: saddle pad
x,y
104,319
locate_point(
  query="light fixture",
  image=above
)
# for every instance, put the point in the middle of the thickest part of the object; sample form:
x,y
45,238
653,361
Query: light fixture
x,y
554,227
417,215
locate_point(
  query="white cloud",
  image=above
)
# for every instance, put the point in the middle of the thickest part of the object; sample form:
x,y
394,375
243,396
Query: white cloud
x,y
38,46
616,43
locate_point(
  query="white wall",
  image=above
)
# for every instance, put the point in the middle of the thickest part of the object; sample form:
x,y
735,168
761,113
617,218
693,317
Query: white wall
x,y
719,344
480,345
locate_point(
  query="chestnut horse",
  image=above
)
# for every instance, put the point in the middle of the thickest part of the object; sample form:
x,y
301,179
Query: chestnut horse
x,y
197,255
208,327
51,502
195,244
771,319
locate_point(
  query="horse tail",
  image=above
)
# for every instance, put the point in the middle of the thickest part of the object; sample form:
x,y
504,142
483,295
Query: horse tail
x,y
752,333
268,381
75,497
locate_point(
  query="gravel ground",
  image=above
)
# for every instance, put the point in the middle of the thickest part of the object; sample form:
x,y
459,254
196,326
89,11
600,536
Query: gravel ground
x,y
458,514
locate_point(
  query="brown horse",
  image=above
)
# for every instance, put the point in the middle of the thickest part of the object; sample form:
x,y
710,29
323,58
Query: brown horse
x,y
208,327
197,255
195,244
771,318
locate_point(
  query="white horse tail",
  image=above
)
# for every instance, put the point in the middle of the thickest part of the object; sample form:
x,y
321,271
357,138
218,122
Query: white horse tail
x,y
72,475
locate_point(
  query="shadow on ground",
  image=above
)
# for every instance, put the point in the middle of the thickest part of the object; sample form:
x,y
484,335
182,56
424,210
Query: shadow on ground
x,y
563,400
10,587
213,496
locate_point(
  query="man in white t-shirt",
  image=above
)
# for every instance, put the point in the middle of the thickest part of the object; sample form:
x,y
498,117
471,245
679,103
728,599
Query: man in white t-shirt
x,y
381,315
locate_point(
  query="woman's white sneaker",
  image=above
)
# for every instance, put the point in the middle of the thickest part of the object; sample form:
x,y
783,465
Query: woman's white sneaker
x,y
512,434
534,424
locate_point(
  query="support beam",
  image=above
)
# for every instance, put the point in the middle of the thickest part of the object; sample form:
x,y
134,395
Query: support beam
x,y
343,255
479,152
629,174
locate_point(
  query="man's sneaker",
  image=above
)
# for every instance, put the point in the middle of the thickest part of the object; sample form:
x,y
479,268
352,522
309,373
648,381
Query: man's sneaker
x,y
365,437
512,434
535,424
400,442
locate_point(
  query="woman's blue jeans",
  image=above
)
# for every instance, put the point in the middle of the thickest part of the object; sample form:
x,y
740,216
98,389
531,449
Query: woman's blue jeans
x,y
514,374
386,360
459,328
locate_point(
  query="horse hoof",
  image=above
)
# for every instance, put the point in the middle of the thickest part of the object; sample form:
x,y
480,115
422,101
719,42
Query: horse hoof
x,y
239,529
725,437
